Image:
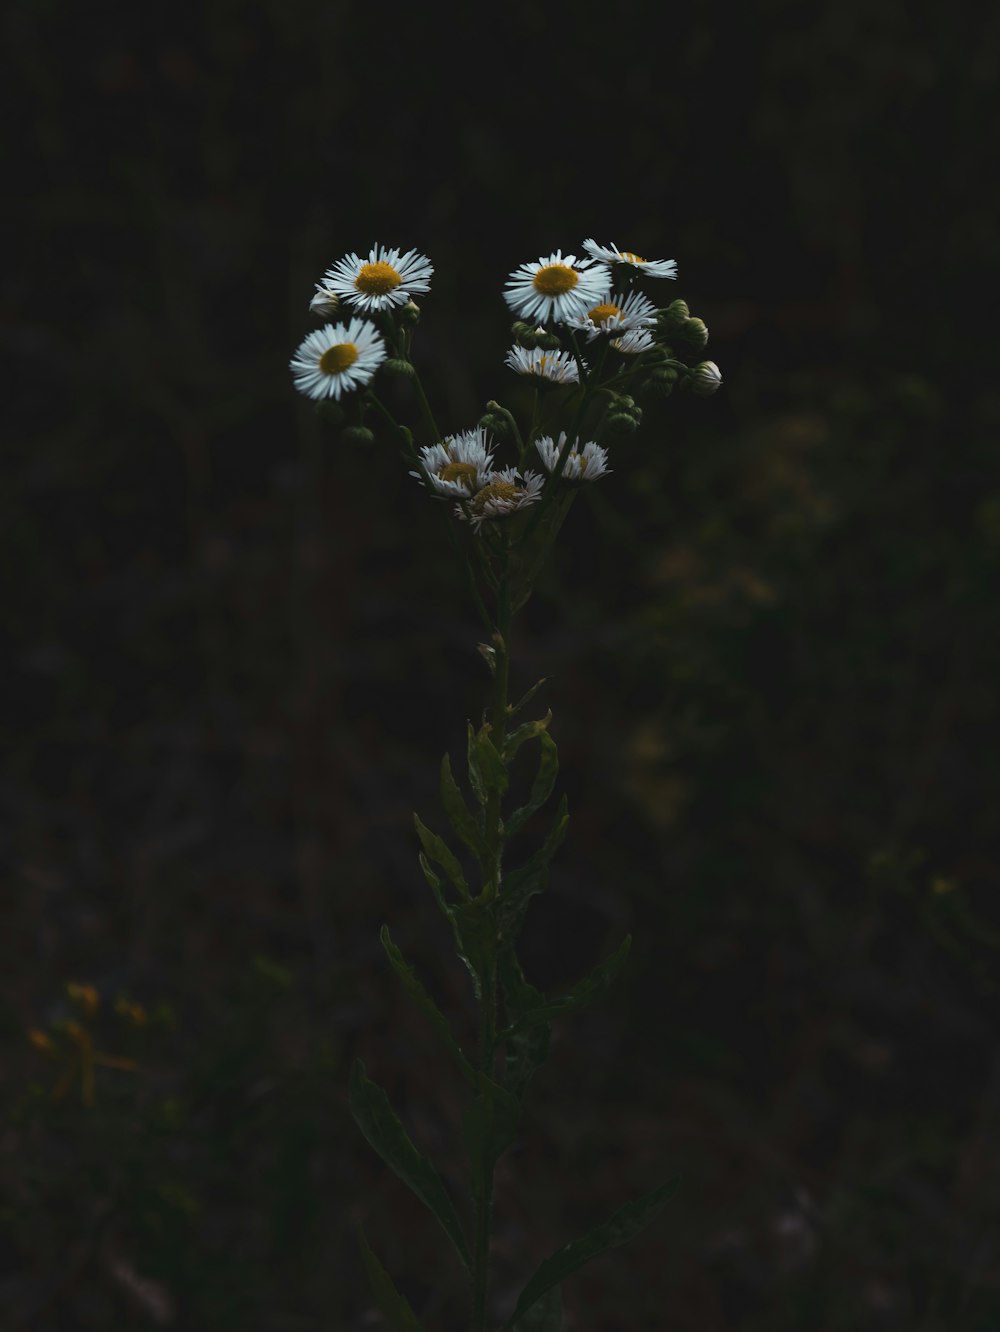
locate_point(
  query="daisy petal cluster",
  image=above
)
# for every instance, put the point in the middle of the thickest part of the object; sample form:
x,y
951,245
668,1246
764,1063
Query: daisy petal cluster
x,y
555,367
387,278
616,314
634,342
587,462
337,358
506,490
557,288
610,255
460,465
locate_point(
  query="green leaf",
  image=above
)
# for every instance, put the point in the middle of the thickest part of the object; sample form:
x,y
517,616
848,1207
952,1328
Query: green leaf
x,y
449,913
379,1123
625,1223
527,1046
487,773
541,789
458,813
583,993
519,887
512,708
545,1315
426,1005
394,1306
526,731
490,1125
436,849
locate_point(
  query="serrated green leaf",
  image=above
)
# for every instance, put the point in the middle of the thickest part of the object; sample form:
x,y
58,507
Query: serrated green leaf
x,y
618,1229
583,993
545,1315
487,773
436,849
394,1306
541,788
489,1126
459,815
520,886
526,731
426,1004
527,1046
381,1126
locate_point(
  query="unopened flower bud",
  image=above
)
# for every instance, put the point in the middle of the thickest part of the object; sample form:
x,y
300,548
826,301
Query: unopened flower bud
x,y
547,341
397,365
674,316
330,411
706,378
410,314
495,424
657,387
358,435
622,423
695,332
666,374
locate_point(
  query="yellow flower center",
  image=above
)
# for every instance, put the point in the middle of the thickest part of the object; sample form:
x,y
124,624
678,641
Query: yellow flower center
x,y
459,471
377,279
496,490
608,311
555,279
581,460
631,258
335,360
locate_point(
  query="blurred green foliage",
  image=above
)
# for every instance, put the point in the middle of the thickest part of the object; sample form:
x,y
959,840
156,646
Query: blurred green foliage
x,y
236,652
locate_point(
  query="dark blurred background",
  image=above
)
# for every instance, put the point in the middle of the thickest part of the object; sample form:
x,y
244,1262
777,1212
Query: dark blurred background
x,y
236,650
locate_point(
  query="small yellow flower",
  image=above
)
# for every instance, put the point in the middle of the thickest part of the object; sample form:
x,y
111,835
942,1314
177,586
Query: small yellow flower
x,y
85,997
134,1013
41,1040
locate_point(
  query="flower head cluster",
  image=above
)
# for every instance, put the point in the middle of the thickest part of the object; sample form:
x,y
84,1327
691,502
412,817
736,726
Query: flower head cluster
x,y
460,465
506,490
387,278
557,288
583,462
337,358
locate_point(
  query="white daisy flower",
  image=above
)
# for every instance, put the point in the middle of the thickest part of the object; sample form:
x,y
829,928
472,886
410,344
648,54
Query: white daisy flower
x,y
385,279
556,287
460,465
588,462
505,491
634,342
325,302
556,367
616,314
337,358
610,254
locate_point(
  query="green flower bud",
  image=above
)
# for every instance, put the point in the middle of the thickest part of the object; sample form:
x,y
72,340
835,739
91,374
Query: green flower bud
x,y
666,374
396,365
706,379
621,423
695,332
358,435
410,314
496,424
674,316
657,387
330,411
547,341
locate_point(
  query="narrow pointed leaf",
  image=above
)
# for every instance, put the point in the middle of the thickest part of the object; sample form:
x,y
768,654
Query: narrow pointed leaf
x,y
545,1315
426,1004
380,1124
458,812
526,731
512,708
490,1125
593,985
527,1045
448,911
436,849
541,789
486,769
618,1229
521,886
395,1307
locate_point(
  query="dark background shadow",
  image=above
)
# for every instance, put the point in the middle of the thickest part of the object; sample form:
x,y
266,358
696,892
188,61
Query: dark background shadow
x,y
236,650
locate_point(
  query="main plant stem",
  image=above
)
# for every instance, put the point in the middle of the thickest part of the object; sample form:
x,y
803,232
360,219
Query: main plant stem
x,y
488,1013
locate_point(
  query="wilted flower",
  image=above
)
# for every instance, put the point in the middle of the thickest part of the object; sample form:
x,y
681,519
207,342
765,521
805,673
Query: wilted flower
x,y
585,462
